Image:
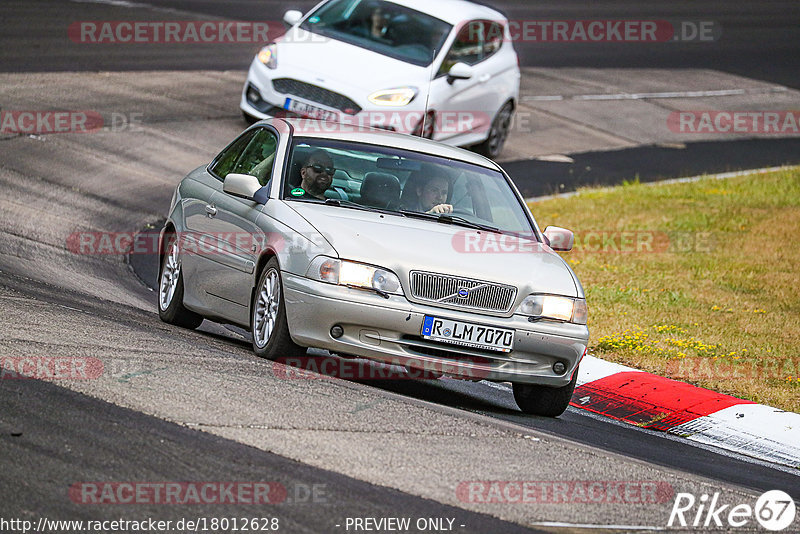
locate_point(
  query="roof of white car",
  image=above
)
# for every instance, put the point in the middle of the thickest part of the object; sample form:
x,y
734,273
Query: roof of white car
x,y
452,11
373,136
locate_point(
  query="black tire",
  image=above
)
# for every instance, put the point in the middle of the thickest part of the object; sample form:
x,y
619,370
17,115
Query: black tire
x,y
278,342
492,147
170,307
543,400
249,119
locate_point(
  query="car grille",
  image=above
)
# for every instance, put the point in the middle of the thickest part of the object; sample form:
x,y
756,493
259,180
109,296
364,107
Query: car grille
x,y
315,94
441,289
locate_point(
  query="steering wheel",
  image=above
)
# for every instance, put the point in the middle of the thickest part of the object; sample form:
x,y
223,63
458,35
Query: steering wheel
x,y
461,211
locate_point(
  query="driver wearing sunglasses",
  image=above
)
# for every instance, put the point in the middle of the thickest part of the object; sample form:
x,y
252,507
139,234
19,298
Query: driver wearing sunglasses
x,y
317,174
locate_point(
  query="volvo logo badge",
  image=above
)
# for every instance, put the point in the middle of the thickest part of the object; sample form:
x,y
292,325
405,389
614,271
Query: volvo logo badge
x,y
463,292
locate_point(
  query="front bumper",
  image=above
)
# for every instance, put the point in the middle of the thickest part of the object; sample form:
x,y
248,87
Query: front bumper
x,y
259,99
388,330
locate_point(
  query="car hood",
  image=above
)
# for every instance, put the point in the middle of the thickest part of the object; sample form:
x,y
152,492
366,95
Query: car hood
x,y
342,67
404,244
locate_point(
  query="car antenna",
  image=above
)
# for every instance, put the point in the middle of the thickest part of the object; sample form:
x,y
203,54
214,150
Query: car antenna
x,y
428,97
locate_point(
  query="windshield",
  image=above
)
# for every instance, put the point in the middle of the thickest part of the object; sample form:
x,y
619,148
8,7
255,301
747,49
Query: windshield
x,y
404,183
383,27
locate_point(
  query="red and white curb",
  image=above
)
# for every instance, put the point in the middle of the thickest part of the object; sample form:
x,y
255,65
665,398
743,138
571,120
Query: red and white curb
x,y
697,414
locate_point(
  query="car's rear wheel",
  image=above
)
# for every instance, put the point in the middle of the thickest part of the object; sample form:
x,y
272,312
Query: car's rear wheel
x,y
543,400
170,289
271,338
498,133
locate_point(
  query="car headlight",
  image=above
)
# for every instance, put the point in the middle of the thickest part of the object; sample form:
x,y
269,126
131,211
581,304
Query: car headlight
x,y
351,274
399,96
554,307
269,56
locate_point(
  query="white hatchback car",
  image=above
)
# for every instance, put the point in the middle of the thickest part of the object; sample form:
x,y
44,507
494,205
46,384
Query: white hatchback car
x,y
445,70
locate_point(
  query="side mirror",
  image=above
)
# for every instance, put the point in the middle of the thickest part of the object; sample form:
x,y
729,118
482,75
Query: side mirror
x,y
292,17
459,71
559,239
242,186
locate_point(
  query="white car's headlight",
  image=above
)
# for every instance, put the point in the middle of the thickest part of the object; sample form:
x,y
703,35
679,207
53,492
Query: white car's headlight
x,y
555,307
351,274
269,56
399,96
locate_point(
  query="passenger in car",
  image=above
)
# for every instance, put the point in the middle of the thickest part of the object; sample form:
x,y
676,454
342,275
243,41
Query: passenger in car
x,y
317,175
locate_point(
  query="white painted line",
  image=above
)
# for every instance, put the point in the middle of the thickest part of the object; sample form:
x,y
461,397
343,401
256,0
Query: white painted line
x,y
496,385
556,158
140,5
667,94
754,430
592,526
720,176
660,94
593,368
544,98
115,3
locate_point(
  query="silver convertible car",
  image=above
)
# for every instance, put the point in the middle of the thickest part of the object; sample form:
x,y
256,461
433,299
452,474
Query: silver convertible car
x,y
376,245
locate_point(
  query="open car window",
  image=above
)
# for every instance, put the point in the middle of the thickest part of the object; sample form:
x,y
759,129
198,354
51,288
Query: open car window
x,y
252,153
404,182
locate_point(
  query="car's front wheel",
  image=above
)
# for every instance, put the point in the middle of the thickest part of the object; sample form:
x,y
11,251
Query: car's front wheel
x,y
498,133
543,400
170,289
270,327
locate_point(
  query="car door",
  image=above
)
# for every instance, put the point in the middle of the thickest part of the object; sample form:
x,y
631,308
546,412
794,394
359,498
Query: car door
x,y
239,238
500,63
468,106
197,229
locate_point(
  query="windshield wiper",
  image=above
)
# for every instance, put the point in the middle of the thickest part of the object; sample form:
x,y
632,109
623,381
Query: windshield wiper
x,y
350,204
447,218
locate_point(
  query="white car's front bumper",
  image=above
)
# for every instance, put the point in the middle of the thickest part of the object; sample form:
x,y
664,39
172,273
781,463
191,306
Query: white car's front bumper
x,y
261,100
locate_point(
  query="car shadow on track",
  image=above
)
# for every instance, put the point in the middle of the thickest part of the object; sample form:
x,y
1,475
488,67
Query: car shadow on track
x,y
420,385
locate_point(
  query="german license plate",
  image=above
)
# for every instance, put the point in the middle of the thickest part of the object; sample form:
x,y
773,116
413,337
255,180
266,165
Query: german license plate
x,y
301,108
468,334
